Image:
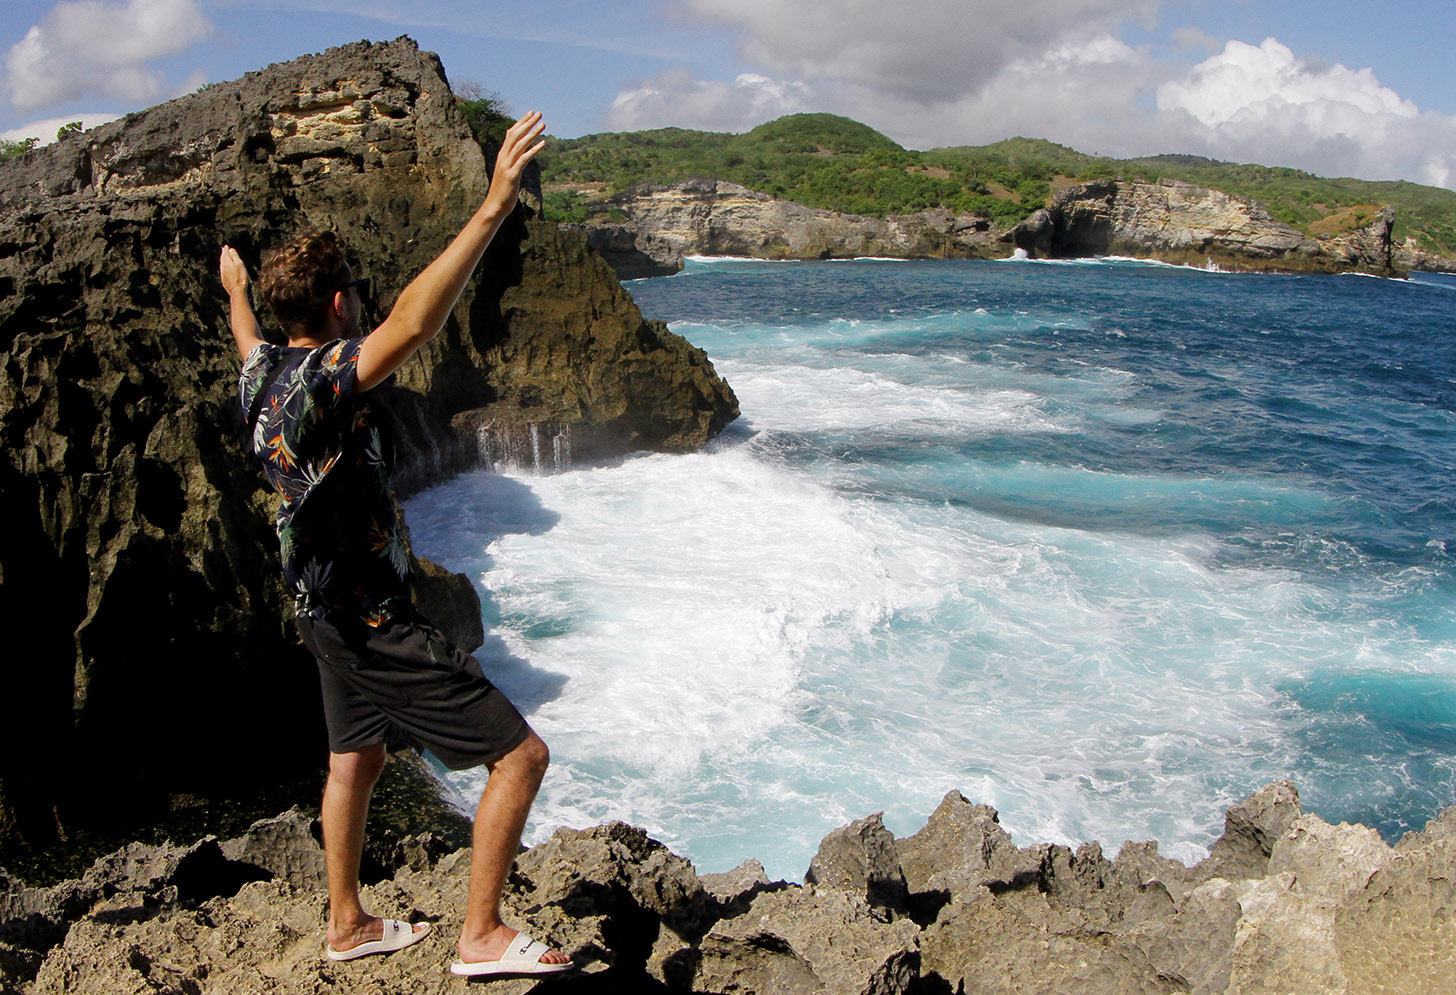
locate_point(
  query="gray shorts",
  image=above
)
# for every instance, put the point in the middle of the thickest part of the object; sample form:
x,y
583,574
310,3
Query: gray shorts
x,y
404,683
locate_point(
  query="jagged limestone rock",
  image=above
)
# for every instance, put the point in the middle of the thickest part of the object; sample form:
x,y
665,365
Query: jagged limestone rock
x,y
1398,934
960,847
978,946
1194,944
631,888
1286,937
1181,223
1250,830
1338,912
715,217
287,847
802,941
860,860
739,884
1168,220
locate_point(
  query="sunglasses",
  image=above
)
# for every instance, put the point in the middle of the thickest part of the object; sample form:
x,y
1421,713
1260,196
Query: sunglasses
x,y
362,283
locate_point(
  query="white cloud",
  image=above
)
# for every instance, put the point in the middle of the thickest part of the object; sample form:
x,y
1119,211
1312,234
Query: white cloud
x,y
45,129
1191,38
1084,94
1267,82
102,49
958,72
1261,103
1072,94
675,98
924,51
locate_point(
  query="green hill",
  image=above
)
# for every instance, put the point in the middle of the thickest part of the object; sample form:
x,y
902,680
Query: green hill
x,y
821,160
834,163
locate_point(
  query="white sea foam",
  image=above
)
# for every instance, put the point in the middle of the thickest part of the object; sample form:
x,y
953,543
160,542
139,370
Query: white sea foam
x,y
833,611
847,399
715,260
740,658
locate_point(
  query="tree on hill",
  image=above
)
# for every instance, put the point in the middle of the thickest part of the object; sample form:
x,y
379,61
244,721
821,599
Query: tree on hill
x,y
835,163
9,149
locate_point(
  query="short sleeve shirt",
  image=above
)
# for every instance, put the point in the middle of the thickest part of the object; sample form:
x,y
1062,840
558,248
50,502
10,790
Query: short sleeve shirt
x,y
319,445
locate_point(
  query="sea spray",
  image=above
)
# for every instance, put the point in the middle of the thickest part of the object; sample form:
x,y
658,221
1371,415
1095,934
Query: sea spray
x,y
1104,546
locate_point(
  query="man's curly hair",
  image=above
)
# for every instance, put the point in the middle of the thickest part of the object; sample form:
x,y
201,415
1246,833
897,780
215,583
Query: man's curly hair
x,y
299,279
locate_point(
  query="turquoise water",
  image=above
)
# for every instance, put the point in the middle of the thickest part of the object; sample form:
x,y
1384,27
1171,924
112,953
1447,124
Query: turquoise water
x,y
1106,545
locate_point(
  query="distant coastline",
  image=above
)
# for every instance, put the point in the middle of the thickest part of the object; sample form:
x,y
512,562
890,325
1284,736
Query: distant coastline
x,y
655,228
812,186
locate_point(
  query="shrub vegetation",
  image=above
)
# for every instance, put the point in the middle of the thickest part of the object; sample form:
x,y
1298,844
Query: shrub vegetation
x,y
834,163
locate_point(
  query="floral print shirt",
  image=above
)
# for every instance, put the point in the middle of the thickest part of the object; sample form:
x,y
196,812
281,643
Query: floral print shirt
x,y
319,445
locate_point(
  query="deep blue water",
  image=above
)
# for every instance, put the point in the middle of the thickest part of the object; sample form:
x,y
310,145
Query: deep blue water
x,y
1107,545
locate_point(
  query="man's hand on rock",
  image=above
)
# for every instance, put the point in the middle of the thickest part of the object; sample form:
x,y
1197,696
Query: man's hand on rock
x,y
240,312
234,274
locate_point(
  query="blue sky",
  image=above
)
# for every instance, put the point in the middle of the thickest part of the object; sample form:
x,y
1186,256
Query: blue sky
x,y
1340,88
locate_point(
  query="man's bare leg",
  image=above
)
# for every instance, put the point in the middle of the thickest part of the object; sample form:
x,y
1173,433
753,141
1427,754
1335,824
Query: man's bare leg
x,y
499,820
345,810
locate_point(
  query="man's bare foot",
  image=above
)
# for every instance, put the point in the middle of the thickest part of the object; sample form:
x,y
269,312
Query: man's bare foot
x,y
494,945
343,938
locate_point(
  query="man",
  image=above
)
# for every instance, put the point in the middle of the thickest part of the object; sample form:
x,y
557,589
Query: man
x,y
387,675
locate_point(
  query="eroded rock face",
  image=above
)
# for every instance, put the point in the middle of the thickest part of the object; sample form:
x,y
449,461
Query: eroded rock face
x,y
718,218
138,532
1410,256
860,860
1336,911
1171,221
1181,223
1250,831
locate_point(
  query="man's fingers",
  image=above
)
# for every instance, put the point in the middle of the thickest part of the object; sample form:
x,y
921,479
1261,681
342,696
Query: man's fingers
x,y
525,129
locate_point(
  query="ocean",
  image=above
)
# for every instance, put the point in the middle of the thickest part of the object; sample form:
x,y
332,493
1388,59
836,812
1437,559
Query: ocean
x,y
1104,544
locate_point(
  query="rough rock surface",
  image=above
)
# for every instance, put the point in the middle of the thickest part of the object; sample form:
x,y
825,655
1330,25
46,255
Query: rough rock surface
x,y
136,527
1410,256
1171,221
718,218
1181,223
860,860
1250,830
1334,910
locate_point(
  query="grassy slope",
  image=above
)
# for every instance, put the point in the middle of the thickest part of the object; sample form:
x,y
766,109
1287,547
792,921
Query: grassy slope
x,y
831,162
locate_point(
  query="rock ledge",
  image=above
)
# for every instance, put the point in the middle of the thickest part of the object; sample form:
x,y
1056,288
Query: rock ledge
x,y
1285,903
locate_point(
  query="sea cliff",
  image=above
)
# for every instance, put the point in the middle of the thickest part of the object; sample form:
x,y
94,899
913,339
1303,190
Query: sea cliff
x,y
1177,222
163,662
1285,902
717,218
1168,221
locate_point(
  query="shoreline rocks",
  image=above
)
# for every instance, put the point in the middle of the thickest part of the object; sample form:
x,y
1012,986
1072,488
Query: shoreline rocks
x,y
717,218
1180,223
1286,902
1169,221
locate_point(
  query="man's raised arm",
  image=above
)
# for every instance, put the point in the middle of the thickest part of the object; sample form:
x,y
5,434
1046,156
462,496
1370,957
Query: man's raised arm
x,y
422,308
240,313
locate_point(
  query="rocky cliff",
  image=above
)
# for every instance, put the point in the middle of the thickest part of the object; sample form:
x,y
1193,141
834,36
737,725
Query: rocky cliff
x,y
717,218
1170,221
161,657
1285,903
1410,256
1180,223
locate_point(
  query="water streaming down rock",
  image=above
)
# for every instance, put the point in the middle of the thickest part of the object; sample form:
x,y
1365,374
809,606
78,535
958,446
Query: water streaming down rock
x,y
541,447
